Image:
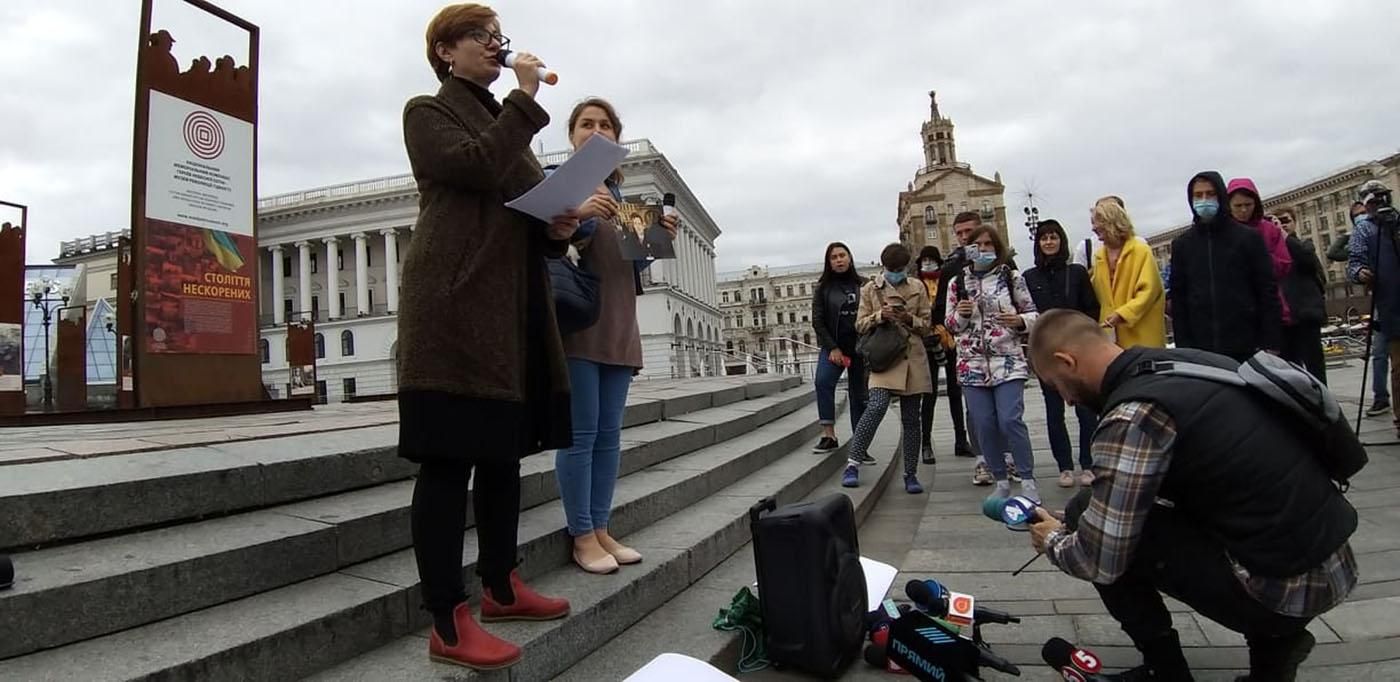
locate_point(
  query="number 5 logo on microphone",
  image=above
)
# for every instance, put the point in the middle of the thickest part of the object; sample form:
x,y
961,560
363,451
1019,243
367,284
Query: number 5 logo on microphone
x,y
1086,661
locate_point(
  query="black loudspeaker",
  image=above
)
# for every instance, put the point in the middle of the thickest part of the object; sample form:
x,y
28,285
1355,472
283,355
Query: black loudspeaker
x,y
7,572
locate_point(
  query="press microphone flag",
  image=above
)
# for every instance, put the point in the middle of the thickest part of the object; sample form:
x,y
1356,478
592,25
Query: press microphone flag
x,y
507,59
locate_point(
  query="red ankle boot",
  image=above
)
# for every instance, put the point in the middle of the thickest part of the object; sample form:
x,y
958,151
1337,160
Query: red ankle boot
x,y
529,604
476,648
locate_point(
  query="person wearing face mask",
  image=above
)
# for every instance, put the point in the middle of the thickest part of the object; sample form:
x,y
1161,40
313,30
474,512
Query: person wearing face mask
x,y
1373,259
894,299
602,359
1054,283
1224,296
994,309
1364,229
482,375
1201,492
938,346
965,445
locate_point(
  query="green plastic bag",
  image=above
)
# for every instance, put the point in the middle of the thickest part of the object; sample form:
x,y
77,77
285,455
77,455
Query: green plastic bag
x,y
744,616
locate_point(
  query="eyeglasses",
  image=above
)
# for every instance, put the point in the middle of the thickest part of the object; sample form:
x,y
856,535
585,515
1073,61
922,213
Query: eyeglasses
x,y
484,38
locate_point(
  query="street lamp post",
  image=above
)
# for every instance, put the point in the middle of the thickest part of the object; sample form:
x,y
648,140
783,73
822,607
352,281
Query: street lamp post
x,y
41,292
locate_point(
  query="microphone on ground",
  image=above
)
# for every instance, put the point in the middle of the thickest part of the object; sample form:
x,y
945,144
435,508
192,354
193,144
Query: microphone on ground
x,y
1073,663
507,59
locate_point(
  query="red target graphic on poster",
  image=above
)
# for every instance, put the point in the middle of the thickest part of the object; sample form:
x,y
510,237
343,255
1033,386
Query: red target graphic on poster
x,y
203,135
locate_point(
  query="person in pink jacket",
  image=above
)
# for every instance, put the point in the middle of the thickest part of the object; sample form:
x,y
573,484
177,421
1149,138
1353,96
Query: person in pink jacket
x,y
1248,209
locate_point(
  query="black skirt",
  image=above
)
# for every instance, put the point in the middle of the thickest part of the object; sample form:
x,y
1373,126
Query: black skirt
x,y
436,425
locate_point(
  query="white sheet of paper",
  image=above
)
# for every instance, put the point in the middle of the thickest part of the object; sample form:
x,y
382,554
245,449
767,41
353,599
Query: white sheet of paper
x,y
678,668
878,578
573,181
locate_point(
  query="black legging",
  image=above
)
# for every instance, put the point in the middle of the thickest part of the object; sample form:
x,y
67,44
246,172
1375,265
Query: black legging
x,y
955,401
439,519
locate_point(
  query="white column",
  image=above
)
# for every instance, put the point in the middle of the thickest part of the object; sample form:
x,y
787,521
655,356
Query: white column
x,y
362,274
279,315
332,281
391,268
305,279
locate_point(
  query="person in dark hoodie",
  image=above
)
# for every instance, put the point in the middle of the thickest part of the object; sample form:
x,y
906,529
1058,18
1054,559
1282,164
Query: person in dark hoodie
x,y
1055,282
834,304
938,345
1224,297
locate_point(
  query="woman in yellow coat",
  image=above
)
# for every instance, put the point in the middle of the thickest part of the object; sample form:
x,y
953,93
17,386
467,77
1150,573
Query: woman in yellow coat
x,y
1126,281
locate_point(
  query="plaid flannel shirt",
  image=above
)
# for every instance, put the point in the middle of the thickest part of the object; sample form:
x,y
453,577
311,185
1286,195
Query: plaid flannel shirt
x,y
1132,450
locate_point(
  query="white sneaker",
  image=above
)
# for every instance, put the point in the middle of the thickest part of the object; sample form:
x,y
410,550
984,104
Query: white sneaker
x,y
1029,490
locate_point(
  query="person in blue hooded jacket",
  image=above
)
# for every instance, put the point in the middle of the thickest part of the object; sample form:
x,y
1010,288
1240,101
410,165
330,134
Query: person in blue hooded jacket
x,y
1223,294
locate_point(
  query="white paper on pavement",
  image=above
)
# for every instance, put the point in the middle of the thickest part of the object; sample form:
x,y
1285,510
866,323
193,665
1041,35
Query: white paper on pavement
x,y
878,578
678,668
573,181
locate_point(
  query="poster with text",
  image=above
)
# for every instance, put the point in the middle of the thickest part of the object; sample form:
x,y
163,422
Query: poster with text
x,y
199,283
11,366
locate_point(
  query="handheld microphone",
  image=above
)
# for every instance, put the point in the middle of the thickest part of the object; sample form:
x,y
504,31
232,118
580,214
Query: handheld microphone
x,y
957,607
1016,512
1077,665
991,660
507,59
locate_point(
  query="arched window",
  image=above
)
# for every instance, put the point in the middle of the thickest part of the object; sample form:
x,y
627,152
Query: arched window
x,y
347,343
265,350
320,346
807,339
930,215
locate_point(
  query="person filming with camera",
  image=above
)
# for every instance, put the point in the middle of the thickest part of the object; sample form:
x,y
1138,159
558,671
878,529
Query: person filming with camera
x,y
1373,259
1203,490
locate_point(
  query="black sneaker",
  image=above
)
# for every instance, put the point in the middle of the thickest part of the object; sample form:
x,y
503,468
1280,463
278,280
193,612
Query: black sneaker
x,y
1378,408
963,449
826,446
867,460
928,457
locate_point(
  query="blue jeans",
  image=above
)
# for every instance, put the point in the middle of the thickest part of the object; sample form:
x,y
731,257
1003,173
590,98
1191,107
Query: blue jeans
x,y
828,373
587,472
1380,367
1059,435
998,417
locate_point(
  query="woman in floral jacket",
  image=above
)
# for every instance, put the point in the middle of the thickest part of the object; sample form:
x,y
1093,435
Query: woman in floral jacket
x,y
993,312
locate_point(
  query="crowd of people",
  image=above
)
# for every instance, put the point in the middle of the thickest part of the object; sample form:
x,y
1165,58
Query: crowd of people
x,y
1240,282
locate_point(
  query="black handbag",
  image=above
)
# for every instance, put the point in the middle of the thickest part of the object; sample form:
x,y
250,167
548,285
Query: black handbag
x,y
577,299
883,346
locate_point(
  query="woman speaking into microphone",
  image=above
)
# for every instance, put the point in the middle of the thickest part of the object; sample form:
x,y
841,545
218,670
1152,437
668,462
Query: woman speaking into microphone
x,y
483,379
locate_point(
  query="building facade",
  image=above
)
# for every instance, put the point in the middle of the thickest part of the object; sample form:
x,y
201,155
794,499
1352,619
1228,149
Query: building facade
x,y
334,255
767,317
945,187
1321,208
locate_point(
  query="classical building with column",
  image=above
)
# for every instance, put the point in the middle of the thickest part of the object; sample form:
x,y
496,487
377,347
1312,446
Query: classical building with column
x,y
332,254
767,313
945,187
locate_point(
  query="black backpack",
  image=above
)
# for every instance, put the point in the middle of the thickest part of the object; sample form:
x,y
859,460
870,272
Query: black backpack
x,y
1306,403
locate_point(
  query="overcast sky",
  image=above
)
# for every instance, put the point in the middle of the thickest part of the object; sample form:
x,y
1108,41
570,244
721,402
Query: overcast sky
x,y
795,123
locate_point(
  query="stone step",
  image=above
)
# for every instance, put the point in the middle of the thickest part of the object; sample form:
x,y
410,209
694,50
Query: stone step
x,y
680,549
43,503
129,580
302,628
683,624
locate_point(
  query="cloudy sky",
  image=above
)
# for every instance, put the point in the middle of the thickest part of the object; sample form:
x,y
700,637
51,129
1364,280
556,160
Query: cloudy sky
x,y
794,122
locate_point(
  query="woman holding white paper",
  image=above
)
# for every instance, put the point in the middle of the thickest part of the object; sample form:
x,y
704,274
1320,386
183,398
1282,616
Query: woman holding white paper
x,y
483,379
602,359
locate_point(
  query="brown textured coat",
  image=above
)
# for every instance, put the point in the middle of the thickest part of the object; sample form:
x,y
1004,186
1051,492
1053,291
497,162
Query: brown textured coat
x,y
476,317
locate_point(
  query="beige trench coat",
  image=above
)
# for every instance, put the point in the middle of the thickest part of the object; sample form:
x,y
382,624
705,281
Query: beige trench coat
x,y
910,375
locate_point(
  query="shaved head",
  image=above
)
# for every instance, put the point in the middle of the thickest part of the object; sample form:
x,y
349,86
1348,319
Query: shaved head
x,y
1062,330
1071,352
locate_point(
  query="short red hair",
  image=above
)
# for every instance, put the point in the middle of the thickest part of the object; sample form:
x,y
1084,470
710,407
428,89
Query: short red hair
x,y
450,25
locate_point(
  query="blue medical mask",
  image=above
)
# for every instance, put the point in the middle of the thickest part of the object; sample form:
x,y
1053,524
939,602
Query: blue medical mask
x,y
895,278
984,259
1360,218
1206,208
